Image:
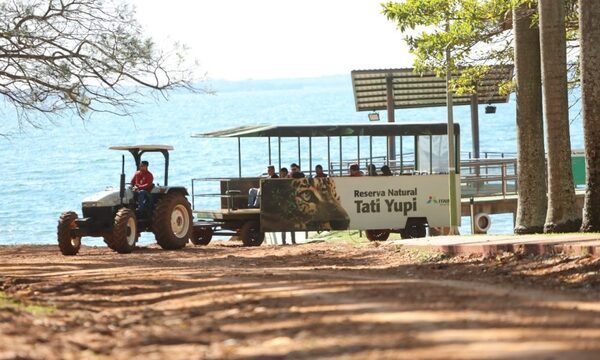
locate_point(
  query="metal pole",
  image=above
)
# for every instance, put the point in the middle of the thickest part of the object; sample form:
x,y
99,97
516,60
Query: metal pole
x,y
358,148
193,195
299,157
389,80
475,123
270,150
417,157
310,167
371,149
239,157
451,154
341,156
430,154
472,208
279,150
329,156
401,155
387,149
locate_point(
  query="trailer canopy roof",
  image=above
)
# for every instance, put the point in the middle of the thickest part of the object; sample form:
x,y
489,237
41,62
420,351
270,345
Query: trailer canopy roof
x,y
380,129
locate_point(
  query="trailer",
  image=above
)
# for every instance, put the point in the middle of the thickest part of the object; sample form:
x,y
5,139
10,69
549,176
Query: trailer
x,y
415,197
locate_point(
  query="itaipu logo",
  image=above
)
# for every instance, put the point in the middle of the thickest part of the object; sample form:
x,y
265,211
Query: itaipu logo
x,y
433,200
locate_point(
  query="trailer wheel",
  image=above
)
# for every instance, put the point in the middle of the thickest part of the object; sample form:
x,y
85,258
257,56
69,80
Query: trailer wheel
x,y
377,235
68,244
414,229
201,236
251,235
125,234
172,221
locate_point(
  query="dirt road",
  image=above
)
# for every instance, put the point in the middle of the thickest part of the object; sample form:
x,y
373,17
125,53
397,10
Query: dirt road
x,y
318,300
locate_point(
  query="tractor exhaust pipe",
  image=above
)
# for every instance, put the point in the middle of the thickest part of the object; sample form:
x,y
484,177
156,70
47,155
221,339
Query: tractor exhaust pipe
x,y
122,183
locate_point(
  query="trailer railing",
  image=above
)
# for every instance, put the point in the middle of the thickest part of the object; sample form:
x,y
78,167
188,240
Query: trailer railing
x,y
234,195
479,177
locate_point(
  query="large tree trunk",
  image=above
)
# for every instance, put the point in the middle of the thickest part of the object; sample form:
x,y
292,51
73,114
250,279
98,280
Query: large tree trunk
x,y
562,215
589,27
532,201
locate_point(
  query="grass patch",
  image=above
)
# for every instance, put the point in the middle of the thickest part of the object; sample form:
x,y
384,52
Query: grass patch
x,y
425,256
343,236
7,302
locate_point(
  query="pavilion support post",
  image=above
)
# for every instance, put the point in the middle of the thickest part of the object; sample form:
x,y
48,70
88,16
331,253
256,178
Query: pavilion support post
x,y
475,133
475,124
451,151
389,81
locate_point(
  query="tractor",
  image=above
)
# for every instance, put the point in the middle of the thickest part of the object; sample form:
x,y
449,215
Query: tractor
x,y
112,213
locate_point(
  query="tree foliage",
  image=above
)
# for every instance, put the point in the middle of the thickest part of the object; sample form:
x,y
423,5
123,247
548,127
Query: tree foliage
x,y
474,30
82,56
478,32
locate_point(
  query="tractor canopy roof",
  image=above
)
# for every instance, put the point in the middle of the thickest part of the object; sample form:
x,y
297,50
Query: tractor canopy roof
x,y
144,148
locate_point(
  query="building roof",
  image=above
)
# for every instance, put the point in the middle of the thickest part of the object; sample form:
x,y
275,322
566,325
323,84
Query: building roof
x,y
413,90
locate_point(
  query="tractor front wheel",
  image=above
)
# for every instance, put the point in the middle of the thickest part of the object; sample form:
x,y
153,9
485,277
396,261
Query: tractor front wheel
x,y
125,234
172,221
68,244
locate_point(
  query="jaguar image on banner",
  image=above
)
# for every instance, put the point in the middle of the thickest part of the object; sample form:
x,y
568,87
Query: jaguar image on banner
x,y
358,203
302,204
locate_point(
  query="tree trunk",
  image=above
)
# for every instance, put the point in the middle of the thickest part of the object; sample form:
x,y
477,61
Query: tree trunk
x,y
562,214
589,28
531,182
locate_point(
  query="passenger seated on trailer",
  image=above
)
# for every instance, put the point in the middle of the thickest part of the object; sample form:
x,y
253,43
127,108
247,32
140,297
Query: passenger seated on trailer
x,y
386,171
254,193
319,172
372,170
354,170
283,172
142,184
296,173
271,172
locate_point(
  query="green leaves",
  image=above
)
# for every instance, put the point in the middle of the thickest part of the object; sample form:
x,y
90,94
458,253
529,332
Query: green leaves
x,y
474,30
82,56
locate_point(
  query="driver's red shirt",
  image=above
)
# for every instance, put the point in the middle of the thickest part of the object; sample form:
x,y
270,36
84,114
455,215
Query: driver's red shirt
x,y
143,180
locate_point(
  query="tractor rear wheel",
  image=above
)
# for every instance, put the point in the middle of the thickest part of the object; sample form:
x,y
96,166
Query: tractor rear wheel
x,y
202,236
251,235
377,235
125,234
172,221
68,244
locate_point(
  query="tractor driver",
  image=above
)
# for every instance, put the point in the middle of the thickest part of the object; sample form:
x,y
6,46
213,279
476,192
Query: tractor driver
x,y
142,184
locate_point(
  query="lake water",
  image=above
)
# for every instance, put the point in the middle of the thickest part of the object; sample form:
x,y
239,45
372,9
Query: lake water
x,y
50,170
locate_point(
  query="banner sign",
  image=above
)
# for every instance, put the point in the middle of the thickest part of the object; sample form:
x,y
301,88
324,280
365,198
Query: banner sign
x,y
358,203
